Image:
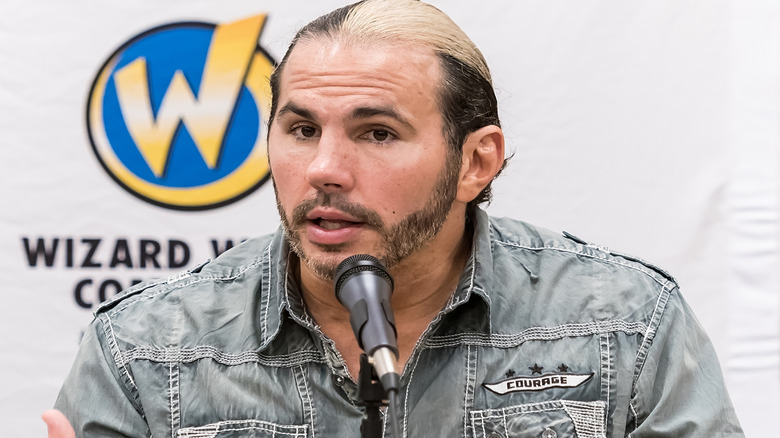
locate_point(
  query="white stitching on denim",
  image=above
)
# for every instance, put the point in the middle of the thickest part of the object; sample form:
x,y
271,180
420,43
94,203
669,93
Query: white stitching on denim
x,y
543,406
113,345
305,395
633,412
641,356
185,355
311,402
187,281
173,388
593,256
473,266
108,331
452,301
486,295
130,291
334,358
501,340
471,377
286,289
655,320
466,396
500,413
211,430
170,396
587,417
304,319
265,299
406,396
606,366
609,374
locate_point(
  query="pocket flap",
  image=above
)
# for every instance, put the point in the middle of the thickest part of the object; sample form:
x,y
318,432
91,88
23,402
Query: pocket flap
x,y
244,429
558,418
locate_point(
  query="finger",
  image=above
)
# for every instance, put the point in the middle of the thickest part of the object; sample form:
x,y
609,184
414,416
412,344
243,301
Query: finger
x,y
59,426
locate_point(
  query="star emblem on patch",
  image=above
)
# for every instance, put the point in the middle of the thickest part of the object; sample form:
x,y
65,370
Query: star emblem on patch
x,y
562,377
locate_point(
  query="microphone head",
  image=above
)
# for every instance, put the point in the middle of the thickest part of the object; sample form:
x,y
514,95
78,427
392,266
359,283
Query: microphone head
x,y
355,264
364,287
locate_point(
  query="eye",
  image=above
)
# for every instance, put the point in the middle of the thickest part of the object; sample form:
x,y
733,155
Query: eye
x,y
304,132
307,131
379,135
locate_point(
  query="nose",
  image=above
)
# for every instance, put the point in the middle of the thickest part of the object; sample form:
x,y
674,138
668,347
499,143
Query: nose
x,y
331,169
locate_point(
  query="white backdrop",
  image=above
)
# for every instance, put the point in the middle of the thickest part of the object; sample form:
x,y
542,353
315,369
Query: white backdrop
x,y
649,127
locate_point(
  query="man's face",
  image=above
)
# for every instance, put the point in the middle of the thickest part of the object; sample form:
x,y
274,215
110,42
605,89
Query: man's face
x,y
358,156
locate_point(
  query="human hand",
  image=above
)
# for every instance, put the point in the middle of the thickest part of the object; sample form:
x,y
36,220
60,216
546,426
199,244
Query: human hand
x,y
59,426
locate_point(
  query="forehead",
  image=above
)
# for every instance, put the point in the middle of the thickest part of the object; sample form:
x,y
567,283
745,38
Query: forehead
x,y
342,67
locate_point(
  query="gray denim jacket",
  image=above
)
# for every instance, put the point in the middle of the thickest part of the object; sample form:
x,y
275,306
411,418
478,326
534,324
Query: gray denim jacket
x,y
544,337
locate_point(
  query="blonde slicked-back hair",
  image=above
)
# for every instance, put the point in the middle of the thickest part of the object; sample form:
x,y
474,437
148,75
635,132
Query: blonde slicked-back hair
x,y
465,93
414,22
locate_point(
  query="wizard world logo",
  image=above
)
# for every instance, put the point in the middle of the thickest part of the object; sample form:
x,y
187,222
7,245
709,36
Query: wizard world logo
x,y
176,115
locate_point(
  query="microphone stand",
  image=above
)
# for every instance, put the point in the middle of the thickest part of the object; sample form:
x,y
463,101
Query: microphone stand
x,y
373,396
364,287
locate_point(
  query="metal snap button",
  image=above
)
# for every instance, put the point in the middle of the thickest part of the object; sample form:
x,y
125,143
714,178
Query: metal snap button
x,y
494,435
339,380
549,433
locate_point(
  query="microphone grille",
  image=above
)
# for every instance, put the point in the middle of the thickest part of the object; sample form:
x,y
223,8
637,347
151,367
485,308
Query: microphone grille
x,y
359,263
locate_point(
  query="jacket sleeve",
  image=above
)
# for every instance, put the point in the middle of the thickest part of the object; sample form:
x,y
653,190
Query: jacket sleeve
x,y
98,397
679,389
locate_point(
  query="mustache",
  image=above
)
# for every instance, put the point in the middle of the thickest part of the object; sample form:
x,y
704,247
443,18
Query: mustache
x,y
359,212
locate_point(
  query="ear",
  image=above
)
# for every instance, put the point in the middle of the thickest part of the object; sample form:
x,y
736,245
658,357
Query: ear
x,y
483,156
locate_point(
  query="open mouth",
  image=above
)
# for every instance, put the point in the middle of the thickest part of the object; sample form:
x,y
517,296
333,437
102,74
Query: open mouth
x,y
332,224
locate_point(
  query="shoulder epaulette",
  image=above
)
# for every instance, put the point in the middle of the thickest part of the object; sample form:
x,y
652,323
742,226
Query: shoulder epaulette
x,y
628,257
140,287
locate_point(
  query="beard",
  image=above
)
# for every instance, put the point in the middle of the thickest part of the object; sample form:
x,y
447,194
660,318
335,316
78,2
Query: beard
x,y
396,242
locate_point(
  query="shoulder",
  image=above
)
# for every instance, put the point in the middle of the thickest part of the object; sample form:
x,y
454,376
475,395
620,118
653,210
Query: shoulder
x,y
234,263
564,278
514,237
165,311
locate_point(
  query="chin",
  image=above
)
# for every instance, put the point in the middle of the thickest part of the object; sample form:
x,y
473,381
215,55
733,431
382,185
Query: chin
x,y
324,267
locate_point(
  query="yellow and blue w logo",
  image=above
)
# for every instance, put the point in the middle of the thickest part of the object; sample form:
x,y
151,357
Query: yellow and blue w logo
x,y
176,115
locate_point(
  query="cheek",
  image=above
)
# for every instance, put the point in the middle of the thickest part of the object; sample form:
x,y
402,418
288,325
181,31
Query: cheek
x,y
288,181
406,189
287,172
285,166
288,176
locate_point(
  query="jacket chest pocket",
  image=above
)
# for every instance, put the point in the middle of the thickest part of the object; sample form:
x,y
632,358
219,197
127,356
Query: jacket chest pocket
x,y
243,429
551,419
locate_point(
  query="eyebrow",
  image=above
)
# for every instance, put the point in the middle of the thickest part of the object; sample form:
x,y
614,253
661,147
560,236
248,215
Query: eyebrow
x,y
291,107
365,112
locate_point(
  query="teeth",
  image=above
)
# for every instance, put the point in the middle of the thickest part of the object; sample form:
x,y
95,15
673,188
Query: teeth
x,y
332,225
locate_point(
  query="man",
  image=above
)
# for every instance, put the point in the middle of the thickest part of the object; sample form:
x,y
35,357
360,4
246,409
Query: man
x,y
384,138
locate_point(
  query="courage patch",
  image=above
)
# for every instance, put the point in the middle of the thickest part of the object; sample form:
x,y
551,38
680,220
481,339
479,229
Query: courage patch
x,y
539,383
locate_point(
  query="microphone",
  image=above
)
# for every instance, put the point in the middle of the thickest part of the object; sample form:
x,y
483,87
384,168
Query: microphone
x,y
363,286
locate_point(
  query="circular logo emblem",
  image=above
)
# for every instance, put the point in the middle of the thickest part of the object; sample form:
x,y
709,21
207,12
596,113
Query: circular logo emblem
x,y
177,114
